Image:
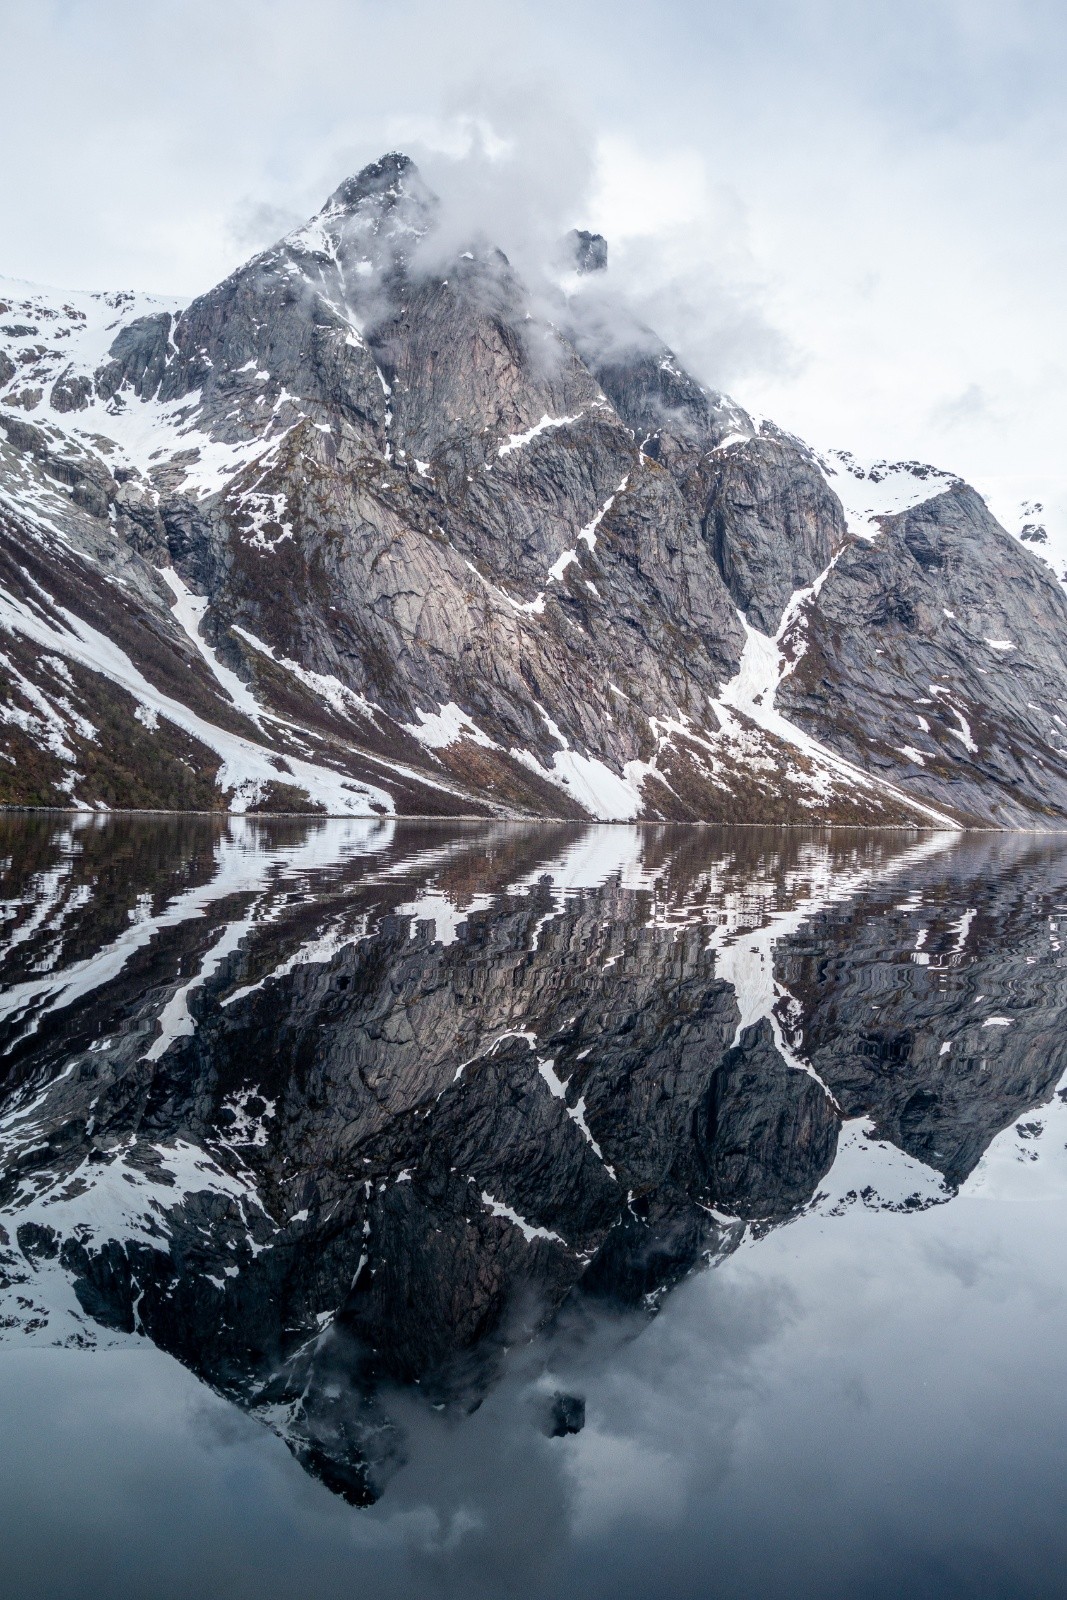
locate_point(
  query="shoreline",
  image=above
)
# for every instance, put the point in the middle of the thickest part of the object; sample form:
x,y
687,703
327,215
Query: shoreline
x,y
514,820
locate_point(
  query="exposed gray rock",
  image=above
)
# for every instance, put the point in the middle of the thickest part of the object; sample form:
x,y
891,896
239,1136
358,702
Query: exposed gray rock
x,y
775,522
951,638
562,1415
767,1132
138,358
70,392
589,250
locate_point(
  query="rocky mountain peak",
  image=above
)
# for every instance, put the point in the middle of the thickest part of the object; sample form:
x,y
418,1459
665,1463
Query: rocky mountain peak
x,y
371,220
392,178
589,251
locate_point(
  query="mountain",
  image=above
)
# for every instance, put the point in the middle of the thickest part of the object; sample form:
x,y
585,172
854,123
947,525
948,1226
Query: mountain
x,y
368,531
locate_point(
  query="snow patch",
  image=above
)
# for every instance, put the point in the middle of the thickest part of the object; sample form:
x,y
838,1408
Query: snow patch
x,y
447,725
871,1172
874,489
518,441
247,768
528,1230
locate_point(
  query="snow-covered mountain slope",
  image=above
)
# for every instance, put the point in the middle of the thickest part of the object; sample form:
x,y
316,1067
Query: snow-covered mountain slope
x,y
356,532
871,490
1033,510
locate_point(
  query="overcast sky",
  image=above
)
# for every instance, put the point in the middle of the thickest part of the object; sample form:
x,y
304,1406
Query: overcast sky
x,y
849,213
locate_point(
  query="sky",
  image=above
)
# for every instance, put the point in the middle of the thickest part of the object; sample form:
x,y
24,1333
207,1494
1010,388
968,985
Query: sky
x,y
850,216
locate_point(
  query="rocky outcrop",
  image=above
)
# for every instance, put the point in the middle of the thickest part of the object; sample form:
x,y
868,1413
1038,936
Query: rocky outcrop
x,y
953,640
775,523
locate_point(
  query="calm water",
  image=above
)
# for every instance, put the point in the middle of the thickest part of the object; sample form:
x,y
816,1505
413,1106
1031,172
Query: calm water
x,y
410,1210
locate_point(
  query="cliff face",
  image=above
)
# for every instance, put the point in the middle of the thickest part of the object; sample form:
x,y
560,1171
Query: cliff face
x,y
953,651
360,532
324,1110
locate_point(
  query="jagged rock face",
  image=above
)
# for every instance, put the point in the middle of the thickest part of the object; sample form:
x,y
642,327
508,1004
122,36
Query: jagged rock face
x,y
589,250
327,1110
417,548
776,525
954,645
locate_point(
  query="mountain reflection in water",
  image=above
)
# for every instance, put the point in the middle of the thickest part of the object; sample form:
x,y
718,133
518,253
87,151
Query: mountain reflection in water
x,y
362,1121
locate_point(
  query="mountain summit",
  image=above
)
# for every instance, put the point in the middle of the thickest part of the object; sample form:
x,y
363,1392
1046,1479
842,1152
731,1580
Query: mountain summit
x,y
352,533
386,177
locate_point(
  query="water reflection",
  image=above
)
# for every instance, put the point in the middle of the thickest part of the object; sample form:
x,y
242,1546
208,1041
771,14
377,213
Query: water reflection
x,y
343,1115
